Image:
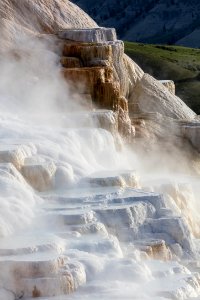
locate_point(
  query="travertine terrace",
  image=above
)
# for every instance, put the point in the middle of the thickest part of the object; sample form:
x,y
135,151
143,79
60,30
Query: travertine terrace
x,y
99,65
77,221
94,62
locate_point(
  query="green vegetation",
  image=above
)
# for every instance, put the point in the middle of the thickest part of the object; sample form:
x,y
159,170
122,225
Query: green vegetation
x,y
180,64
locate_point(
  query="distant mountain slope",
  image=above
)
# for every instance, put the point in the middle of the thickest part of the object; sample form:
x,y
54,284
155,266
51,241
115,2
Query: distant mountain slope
x,y
154,21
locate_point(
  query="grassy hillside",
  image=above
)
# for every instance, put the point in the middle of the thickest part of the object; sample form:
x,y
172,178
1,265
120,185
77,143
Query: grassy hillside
x,y
171,62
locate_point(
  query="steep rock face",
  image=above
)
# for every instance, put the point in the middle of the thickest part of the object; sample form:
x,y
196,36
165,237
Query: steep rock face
x,y
102,72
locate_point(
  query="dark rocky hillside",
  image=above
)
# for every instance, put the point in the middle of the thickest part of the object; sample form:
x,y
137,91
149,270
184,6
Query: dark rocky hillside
x,y
154,21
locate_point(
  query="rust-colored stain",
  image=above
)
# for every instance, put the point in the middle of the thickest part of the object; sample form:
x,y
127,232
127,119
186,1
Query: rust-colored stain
x,y
36,293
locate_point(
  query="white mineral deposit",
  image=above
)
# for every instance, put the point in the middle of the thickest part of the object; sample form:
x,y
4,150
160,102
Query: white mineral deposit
x,y
97,201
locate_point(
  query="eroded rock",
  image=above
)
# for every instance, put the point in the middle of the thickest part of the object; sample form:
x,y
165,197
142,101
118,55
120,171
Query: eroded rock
x,y
39,176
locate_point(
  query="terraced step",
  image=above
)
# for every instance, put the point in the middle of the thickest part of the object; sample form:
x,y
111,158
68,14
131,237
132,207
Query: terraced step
x,y
124,178
37,267
75,225
88,52
93,35
43,276
130,214
156,249
14,154
70,62
86,79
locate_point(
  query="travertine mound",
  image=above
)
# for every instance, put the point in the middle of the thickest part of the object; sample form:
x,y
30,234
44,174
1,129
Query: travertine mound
x,y
40,16
153,97
79,215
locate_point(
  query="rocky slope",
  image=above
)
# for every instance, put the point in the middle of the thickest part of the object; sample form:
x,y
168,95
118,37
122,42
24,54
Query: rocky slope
x,y
152,21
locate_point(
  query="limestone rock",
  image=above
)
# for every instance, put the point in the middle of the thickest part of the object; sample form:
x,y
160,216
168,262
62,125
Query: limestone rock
x,y
125,220
77,218
152,97
107,95
133,74
106,119
93,228
48,286
31,268
99,63
70,62
40,278
10,170
183,196
169,84
14,154
176,228
126,129
40,16
94,35
87,52
119,178
40,176
155,249
85,79
107,91
192,133
119,66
